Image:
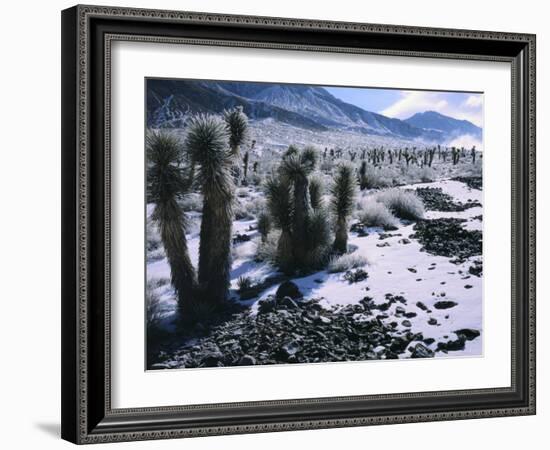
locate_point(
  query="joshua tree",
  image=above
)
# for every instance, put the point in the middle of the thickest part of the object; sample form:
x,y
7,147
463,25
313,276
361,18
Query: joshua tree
x,y
264,225
363,184
342,201
279,202
237,127
456,155
296,168
245,167
431,157
168,181
316,192
206,144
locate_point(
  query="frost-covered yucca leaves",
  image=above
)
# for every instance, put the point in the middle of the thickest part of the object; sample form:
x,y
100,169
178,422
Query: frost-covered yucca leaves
x,y
296,167
342,203
318,239
207,146
316,191
296,164
237,127
167,181
167,177
279,201
278,191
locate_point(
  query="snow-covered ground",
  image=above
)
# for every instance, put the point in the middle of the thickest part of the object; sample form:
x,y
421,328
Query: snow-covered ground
x,y
395,267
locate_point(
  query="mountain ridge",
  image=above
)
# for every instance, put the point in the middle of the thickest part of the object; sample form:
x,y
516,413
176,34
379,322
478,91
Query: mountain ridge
x,y
171,102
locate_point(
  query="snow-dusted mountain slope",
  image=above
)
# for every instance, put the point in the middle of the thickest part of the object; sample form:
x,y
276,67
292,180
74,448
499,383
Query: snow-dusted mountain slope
x,y
170,102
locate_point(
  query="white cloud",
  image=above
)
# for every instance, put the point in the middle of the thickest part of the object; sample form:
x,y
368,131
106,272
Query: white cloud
x,y
412,102
474,101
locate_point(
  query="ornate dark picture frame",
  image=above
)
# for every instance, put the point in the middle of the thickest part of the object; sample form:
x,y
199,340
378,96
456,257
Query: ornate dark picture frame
x,y
87,34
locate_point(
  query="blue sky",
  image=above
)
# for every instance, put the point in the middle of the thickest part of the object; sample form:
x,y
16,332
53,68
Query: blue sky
x,y
404,103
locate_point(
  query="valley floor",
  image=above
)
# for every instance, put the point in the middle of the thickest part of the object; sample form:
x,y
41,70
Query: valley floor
x,y
436,295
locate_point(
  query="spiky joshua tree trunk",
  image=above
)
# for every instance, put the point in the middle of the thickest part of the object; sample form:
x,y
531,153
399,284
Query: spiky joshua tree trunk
x,y
296,167
279,202
206,145
168,181
343,198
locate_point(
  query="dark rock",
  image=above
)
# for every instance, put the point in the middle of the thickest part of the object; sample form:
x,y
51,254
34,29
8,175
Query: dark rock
x,y
468,286
444,304
399,310
288,302
421,351
241,238
476,269
432,321
288,289
398,345
455,345
406,323
411,269
266,305
360,229
383,236
467,333
421,306
282,333
435,199
410,315
404,241
247,360
323,320
471,182
429,341
354,276
447,237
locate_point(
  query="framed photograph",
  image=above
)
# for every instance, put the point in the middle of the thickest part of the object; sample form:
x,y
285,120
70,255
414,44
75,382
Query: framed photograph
x,y
278,224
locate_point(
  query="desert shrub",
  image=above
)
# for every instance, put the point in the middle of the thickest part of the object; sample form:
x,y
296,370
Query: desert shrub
x,y
267,250
347,262
403,204
356,275
375,214
155,283
191,202
242,210
257,206
255,179
153,237
154,307
243,193
373,178
426,174
240,252
244,283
